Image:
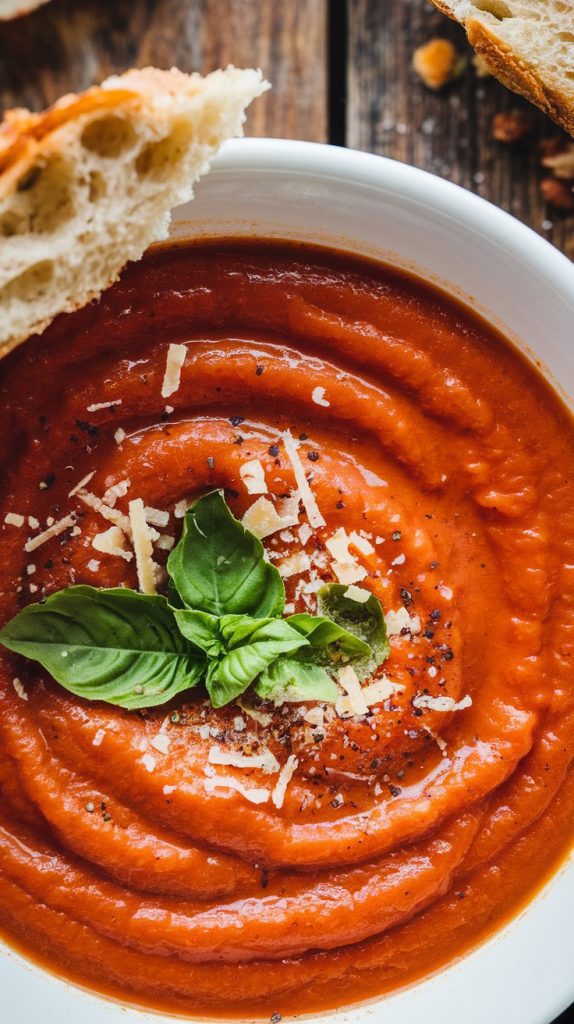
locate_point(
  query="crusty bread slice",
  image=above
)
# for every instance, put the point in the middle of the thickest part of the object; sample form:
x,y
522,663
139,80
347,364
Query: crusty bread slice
x,y
527,44
89,184
14,8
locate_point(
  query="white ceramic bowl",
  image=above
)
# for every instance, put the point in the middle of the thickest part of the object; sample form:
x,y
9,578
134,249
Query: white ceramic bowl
x,y
366,204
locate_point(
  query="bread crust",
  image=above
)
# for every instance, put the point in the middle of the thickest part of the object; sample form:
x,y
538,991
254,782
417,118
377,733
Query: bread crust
x,y
516,74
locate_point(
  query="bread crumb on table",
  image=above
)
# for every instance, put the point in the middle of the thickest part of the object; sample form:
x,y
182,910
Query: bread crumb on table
x,y
435,62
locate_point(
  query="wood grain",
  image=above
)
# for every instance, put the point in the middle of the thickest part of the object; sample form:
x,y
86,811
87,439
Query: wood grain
x,y
391,112
70,44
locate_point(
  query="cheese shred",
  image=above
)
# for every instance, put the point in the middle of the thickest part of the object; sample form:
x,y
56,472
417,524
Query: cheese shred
x,y
305,493
175,359
287,772
53,531
142,544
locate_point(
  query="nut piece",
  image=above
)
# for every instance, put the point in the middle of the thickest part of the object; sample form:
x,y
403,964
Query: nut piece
x,y
559,193
561,161
435,62
511,127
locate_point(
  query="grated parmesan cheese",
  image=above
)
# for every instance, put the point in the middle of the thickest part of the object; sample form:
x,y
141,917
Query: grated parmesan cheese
x,y
116,491
119,436
14,519
349,572
149,762
99,738
103,405
255,796
315,716
112,542
161,742
381,689
33,523
349,680
93,565
142,543
253,476
361,543
374,693
318,396
19,687
399,620
296,563
338,546
262,519
441,744
165,542
175,359
424,700
305,493
53,531
156,516
304,532
286,774
181,508
267,761
345,566
358,594
111,514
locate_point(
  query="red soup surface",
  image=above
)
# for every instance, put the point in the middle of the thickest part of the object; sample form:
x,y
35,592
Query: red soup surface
x,y
405,835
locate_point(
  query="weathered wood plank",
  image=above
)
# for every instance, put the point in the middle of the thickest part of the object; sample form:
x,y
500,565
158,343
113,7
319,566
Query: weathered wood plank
x,y
70,44
449,133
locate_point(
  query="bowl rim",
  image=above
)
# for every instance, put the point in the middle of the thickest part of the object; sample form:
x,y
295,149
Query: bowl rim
x,y
478,975
342,164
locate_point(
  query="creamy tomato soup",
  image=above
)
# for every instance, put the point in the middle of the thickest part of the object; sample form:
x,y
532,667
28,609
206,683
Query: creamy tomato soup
x,y
134,859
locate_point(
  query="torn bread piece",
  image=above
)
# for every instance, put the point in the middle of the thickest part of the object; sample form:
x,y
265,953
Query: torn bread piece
x,y
16,8
527,44
89,184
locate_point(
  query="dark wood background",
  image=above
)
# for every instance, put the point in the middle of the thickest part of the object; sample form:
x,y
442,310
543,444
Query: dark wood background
x,y
341,73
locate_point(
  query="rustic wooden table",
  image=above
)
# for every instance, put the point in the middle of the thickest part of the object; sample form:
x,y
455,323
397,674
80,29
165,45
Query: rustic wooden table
x,y
341,73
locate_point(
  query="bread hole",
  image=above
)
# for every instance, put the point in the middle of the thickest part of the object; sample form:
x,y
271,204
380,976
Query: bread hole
x,y
44,197
12,223
498,8
109,136
96,186
158,159
31,284
566,37
29,179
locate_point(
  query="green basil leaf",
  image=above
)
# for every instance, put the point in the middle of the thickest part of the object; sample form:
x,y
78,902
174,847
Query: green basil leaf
x,y
112,645
329,640
201,629
365,620
218,565
251,646
290,680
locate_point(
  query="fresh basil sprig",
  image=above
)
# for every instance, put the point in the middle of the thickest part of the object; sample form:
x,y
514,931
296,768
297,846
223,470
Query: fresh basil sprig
x,y
114,645
221,625
218,565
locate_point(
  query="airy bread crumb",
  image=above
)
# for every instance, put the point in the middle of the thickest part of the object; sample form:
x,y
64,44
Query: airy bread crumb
x,y
88,184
